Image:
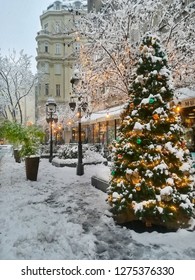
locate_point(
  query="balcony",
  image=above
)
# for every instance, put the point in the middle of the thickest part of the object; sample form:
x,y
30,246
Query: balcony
x,y
43,32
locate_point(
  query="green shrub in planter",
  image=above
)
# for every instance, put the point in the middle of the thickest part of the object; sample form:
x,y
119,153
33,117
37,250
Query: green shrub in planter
x,y
25,138
30,150
29,139
33,136
12,132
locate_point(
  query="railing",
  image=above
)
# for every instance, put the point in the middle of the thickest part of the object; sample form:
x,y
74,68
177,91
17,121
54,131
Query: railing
x,y
44,32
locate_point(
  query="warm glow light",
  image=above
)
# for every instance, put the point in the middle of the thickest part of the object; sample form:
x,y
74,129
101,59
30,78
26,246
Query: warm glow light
x,y
173,208
178,108
161,204
155,116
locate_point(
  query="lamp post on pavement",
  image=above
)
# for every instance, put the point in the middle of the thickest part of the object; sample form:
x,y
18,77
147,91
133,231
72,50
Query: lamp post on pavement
x,y
81,105
51,117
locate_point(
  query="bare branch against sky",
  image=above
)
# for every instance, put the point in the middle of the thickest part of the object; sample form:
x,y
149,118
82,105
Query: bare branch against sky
x,y
19,24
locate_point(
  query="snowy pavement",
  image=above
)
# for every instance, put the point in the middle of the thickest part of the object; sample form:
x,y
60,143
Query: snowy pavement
x,y
61,216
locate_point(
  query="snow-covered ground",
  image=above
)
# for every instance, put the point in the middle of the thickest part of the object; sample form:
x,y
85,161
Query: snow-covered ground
x,y
62,216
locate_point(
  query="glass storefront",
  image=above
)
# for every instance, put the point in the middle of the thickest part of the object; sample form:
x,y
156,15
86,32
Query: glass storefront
x,y
188,120
100,132
105,130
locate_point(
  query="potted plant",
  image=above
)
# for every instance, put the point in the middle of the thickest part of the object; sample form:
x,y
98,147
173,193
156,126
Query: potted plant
x,y
13,133
30,150
28,139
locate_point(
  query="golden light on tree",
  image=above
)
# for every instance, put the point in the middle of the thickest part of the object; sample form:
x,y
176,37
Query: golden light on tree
x,y
152,169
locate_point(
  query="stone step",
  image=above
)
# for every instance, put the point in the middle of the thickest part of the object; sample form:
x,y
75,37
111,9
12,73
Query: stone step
x,y
99,183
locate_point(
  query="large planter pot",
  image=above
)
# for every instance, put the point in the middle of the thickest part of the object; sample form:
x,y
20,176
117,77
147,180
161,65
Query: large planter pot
x,y
17,155
32,166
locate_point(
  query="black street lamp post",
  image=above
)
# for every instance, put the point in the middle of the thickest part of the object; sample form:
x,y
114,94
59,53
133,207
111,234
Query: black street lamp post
x,y
81,105
80,168
51,117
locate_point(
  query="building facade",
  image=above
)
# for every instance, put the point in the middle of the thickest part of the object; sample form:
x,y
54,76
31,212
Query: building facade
x,y
57,45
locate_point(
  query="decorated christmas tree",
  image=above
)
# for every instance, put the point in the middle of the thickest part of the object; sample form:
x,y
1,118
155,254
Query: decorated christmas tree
x,y
152,175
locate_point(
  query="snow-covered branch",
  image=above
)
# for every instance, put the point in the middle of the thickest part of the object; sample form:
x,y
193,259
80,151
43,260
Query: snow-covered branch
x,y
113,34
16,82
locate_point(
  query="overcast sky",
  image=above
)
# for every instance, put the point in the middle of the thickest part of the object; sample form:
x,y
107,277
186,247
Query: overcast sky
x,y
19,24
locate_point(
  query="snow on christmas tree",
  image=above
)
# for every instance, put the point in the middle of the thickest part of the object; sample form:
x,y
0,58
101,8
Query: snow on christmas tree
x,y
152,174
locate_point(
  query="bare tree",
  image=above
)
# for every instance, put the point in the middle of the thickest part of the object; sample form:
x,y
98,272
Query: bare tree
x,y
16,82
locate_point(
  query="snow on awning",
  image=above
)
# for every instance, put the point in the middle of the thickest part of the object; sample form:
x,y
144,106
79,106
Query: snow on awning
x,y
104,115
186,96
184,93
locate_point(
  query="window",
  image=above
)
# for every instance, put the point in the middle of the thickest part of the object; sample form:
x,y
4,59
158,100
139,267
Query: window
x,y
46,68
58,69
58,90
57,5
46,47
77,47
77,22
43,67
46,89
39,90
39,47
46,28
58,48
57,27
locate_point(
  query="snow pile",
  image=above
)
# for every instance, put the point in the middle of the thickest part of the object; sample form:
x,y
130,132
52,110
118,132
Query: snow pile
x,y
61,216
68,154
44,220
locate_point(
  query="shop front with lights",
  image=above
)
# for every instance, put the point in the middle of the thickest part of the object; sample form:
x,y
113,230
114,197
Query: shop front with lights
x,y
101,127
188,120
99,132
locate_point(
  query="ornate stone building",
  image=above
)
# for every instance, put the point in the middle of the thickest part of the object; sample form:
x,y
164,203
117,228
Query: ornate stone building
x,y
57,45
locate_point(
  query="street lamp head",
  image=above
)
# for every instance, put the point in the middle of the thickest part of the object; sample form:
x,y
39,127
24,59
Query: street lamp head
x,y
84,106
72,105
74,81
51,105
75,77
